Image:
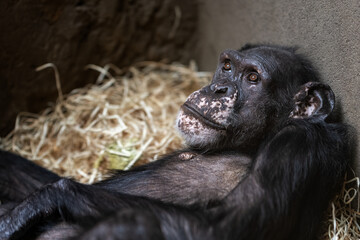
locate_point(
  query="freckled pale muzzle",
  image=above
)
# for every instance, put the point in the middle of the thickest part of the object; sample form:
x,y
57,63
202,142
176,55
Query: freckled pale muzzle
x,y
212,105
205,114
195,132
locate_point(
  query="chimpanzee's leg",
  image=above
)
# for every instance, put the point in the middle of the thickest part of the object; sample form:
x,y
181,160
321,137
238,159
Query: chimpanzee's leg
x,y
129,224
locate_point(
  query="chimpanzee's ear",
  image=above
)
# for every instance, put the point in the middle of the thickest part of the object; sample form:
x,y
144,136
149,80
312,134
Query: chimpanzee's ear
x,y
315,100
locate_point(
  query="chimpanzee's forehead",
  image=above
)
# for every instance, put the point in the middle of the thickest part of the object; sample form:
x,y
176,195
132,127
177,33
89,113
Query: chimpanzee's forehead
x,y
264,57
270,58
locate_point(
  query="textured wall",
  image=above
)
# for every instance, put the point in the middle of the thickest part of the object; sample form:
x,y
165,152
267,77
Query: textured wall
x,y
328,32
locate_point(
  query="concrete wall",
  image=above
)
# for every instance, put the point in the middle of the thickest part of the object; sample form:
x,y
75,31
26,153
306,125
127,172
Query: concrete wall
x,y
328,32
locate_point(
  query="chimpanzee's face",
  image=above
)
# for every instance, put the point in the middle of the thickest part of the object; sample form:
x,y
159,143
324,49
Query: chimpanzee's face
x,y
241,101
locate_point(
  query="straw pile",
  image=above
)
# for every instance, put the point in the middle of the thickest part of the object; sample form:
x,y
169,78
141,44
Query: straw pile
x,y
343,219
127,118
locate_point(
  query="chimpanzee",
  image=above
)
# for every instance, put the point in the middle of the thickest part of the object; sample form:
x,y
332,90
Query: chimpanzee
x,y
263,162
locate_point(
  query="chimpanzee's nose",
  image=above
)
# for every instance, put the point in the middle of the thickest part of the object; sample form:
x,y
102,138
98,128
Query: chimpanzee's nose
x,y
222,89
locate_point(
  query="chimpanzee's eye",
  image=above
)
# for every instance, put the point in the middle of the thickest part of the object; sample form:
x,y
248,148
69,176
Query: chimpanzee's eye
x,y
227,66
253,77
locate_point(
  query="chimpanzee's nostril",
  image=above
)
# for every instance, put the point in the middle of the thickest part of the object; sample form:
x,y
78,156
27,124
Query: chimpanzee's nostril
x,y
220,89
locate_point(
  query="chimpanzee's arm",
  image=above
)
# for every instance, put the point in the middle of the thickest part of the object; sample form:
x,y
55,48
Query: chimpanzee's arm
x,y
294,178
183,178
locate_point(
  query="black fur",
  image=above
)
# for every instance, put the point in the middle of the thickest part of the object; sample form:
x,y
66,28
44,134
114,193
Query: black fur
x,y
269,172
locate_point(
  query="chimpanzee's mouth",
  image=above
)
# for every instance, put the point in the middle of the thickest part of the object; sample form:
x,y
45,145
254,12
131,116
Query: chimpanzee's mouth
x,y
188,109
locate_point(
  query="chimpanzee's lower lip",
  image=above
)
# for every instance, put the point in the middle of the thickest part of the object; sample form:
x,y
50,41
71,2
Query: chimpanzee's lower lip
x,y
188,109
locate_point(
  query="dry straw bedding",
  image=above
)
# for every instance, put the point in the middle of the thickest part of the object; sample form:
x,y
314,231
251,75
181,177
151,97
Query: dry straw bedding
x,y
127,118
